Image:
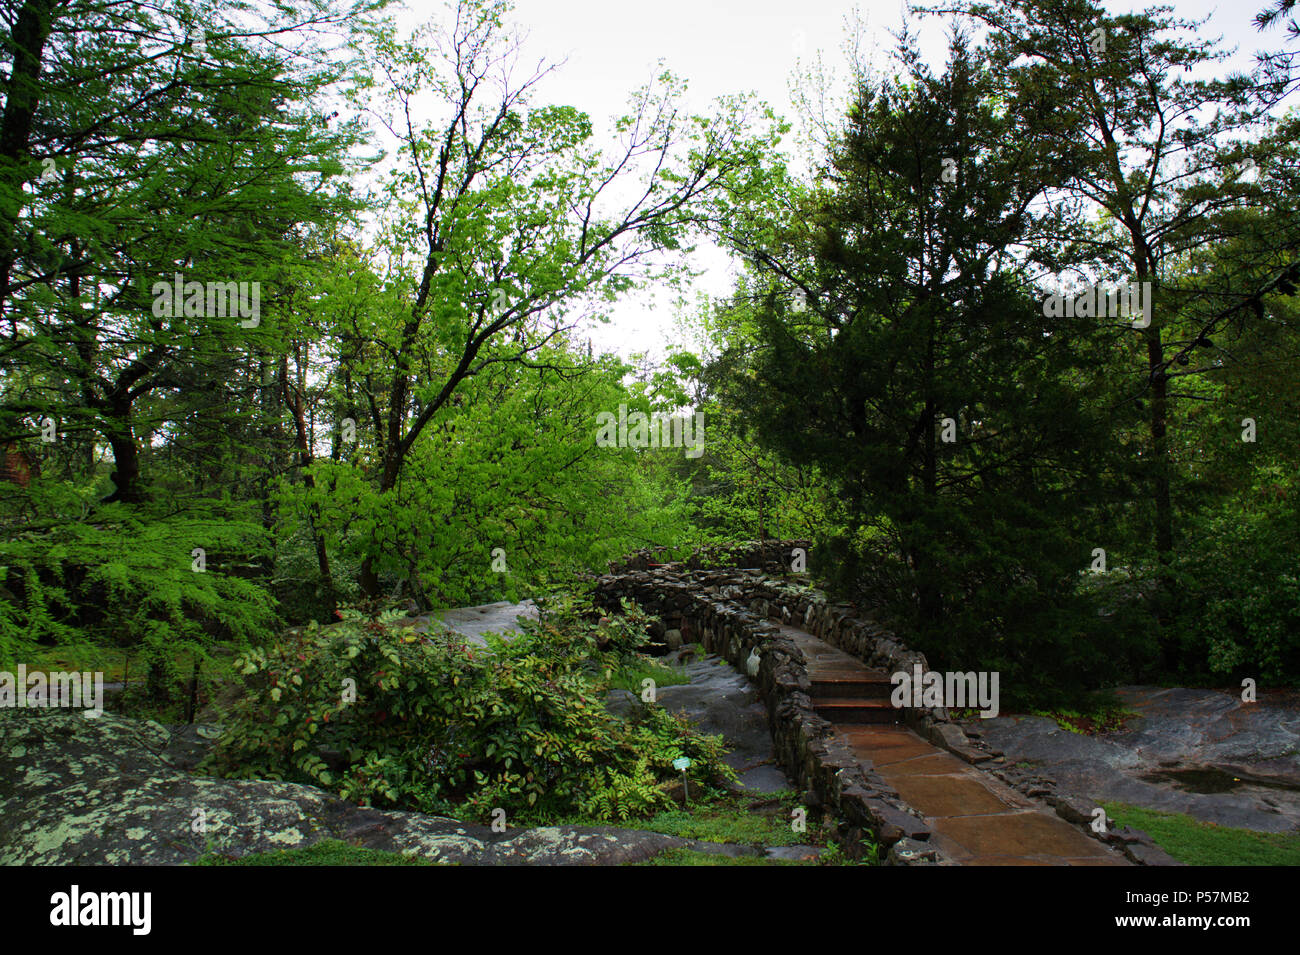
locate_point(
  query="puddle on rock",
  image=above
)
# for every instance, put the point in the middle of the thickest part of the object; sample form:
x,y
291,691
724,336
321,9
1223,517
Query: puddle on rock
x,y
1206,780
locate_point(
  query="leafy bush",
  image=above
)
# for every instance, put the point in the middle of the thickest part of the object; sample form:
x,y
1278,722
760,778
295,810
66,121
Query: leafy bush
x,y
1239,589
440,726
75,572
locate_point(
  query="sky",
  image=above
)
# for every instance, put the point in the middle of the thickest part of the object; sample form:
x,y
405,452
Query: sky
x,y
610,47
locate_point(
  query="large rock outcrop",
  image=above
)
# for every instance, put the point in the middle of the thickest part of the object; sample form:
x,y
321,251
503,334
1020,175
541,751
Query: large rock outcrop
x,y
118,791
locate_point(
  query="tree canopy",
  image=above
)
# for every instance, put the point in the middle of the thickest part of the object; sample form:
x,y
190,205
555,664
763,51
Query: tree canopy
x,y
295,309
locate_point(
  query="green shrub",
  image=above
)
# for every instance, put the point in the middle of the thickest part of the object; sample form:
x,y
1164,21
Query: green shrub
x,y
1239,593
440,726
76,573
633,671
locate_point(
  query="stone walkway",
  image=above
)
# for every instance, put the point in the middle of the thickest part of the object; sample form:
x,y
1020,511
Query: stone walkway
x,y
975,818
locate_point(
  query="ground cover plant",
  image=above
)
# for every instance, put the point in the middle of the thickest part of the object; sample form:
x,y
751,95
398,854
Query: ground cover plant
x,y
387,716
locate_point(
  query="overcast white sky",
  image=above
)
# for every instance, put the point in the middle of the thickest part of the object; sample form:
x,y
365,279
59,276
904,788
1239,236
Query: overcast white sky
x,y
730,46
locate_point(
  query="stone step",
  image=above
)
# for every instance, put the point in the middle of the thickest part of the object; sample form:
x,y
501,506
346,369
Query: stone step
x,y
854,687
855,710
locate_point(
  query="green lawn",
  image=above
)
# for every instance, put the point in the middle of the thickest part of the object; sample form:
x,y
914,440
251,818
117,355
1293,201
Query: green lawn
x,y
325,852
1203,843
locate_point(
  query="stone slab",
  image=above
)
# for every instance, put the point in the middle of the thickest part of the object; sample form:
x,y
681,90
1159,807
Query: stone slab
x,y
884,745
1027,833
930,764
939,797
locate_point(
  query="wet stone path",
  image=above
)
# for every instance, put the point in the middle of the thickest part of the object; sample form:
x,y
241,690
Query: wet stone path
x,y
975,818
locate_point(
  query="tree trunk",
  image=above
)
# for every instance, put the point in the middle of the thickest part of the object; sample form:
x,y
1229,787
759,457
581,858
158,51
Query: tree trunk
x,y
126,467
930,596
1160,449
31,30
1162,605
297,407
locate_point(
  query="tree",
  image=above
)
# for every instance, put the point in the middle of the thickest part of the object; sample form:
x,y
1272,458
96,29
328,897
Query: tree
x,y
502,217
157,156
139,144
1158,154
905,352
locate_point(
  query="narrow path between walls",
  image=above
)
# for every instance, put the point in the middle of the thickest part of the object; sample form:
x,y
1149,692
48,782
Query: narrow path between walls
x,y
975,818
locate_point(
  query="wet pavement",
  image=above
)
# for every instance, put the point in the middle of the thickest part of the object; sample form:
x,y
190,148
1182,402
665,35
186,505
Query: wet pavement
x,y
975,818
720,700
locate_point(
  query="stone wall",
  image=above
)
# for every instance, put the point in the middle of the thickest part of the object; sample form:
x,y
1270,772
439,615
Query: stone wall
x,y
730,612
794,603
724,612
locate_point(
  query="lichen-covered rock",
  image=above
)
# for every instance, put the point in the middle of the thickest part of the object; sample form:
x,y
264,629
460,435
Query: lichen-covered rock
x,y
117,791
913,852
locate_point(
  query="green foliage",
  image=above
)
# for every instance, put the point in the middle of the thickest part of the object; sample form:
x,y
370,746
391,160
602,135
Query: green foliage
x,y
1239,587
440,726
416,395
74,571
963,434
740,489
1106,715
744,491
734,821
634,670
834,855
512,465
325,852
300,591
1193,842
532,219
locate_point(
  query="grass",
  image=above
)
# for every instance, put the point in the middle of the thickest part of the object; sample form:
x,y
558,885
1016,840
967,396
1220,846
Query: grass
x,y
629,675
1203,843
732,819
735,820
726,826
1107,718
691,857
325,852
